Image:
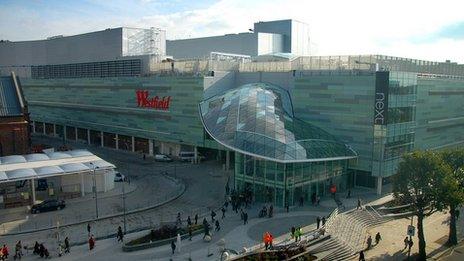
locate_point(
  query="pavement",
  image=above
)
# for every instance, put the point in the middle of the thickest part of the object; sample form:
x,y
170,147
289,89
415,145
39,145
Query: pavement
x,y
203,189
233,232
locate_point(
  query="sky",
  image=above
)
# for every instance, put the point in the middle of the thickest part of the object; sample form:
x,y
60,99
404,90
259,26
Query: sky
x,y
428,30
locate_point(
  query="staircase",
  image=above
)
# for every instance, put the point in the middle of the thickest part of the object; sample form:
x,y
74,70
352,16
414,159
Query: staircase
x,y
348,233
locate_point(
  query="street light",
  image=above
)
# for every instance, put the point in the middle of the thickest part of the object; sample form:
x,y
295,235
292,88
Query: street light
x,y
95,188
124,204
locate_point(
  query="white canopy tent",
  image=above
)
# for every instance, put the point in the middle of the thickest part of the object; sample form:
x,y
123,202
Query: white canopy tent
x,y
39,165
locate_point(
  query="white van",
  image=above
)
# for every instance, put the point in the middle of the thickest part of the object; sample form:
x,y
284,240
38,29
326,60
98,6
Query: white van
x,y
187,155
162,157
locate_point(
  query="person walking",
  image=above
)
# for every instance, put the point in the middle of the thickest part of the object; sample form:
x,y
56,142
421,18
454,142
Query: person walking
x,y
120,235
67,247
301,201
359,204
377,238
406,242
190,231
196,219
218,227
369,242
348,195
37,248
223,212
292,231
88,228
173,246
245,218
91,242
271,211
5,252
60,250
410,244
213,214
361,256
178,220
189,221
18,250
318,222
318,200
206,229
298,234
323,221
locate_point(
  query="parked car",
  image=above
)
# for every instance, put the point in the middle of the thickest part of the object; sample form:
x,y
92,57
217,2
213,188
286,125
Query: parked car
x,y
162,157
48,205
118,177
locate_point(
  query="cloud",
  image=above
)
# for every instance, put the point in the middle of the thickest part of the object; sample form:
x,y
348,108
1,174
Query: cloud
x,y
396,27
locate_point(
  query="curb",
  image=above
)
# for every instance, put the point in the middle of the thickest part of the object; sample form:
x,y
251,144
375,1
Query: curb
x,y
183,189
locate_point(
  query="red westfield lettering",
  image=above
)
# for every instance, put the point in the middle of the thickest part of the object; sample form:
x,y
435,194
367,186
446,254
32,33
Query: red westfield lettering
x,y
152,102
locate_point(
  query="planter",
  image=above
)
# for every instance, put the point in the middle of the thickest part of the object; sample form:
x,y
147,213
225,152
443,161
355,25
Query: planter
x,y
141,243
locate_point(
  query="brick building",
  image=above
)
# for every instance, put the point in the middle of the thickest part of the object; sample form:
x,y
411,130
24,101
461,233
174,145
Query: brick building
x,y
14,118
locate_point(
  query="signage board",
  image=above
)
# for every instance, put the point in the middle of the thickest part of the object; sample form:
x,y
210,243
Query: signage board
x,y
381,98
411,230
155,102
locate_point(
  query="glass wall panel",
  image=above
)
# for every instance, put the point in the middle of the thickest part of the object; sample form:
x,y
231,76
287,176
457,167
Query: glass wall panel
x,y
125,142
95,137
38,127
82,134
70,133
49,129
59,130
141,145
109,140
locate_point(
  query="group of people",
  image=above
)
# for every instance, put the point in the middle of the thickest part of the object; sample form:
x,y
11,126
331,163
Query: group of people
x,y
264,211
378,237
315,199
369,240
296,233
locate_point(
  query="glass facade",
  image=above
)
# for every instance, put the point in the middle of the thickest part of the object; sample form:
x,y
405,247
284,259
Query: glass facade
x,y
257,119
285,183
278,157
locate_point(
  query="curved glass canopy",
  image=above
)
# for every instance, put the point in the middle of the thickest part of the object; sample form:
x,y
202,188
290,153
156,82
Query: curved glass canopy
x,y
257,119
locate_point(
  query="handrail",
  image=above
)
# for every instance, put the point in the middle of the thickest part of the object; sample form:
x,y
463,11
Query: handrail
x,y
375,211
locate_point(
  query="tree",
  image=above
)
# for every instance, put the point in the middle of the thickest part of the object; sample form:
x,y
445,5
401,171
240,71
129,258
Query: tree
x,y
454,193
420,181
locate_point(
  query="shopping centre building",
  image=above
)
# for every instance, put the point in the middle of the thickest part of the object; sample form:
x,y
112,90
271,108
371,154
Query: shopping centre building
x,y
289,125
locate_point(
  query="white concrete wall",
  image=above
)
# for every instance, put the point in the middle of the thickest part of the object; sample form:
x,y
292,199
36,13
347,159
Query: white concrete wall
x,y
243,43
270,43
90,47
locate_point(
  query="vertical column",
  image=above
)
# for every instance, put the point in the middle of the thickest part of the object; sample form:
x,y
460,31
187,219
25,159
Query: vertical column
x,y
116,140
88,136
33,190
43,124
379,185
150,147
162,147
195,150
33,126
64,132
75,133
82,185
133,144
227,159
101,140
54,130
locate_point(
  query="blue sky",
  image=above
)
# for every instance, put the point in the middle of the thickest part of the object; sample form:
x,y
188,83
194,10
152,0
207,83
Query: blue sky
x,y
401,28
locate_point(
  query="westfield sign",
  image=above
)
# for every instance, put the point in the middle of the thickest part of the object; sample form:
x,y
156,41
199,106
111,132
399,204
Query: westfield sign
x,y
144,101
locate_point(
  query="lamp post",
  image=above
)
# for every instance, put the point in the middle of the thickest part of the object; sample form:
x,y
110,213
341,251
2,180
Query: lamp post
x,y
95,188
124,204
